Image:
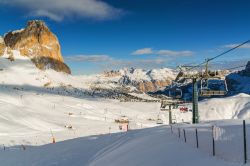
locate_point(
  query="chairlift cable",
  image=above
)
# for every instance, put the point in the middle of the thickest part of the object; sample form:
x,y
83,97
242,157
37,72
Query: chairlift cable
x,y
225,52
235,67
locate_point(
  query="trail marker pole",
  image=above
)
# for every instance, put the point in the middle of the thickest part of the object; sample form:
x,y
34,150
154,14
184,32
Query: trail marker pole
x,y
213,140
184,133
179,133
197,141
245,141
170,115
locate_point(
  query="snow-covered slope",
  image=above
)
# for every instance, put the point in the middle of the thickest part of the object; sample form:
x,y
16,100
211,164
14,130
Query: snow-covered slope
x,y
142,80
35,103
148,147
148,75
146,80
37,106
21,73
234,107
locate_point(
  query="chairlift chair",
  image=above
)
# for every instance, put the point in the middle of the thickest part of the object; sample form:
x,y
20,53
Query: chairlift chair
x,y
174,91
159,120
212,84
213,87
178,93
165,106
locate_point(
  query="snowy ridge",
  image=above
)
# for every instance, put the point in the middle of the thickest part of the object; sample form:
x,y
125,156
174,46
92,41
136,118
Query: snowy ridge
x,y
149,75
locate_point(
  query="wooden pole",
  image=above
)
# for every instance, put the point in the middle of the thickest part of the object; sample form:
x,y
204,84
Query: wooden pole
x,y
197,141
245,141
184,133
179,133
213,141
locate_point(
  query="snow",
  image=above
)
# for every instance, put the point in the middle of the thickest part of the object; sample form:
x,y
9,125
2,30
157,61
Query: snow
x,y
37,106
48,47
228,137
235,107
33,103
153,146
18,31
140,75
143,96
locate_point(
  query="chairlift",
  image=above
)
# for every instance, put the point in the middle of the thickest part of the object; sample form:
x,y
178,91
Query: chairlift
x,y
175,93
159,120
165,106
175,106
213,87
212,84
178,93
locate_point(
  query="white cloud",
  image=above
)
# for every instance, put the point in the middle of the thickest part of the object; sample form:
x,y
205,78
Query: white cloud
x,y
234,45
88,58
174,53
143,51
137,63
60,9
106,62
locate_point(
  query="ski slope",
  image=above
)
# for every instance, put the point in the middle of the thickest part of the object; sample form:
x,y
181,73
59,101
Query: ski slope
x,y
152,146
37,106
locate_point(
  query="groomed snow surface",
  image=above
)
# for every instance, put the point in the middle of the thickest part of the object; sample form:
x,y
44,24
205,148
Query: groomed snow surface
x,y
148,147
36,107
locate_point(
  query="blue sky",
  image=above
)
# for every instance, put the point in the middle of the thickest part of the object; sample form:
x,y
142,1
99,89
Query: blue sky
x,y
112,34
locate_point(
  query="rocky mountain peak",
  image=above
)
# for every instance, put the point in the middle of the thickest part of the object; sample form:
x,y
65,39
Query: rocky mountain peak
x,y
248,66
2,46
37,24
246,71
40,44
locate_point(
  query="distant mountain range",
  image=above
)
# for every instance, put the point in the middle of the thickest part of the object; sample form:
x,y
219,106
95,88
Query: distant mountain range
x,y
35,49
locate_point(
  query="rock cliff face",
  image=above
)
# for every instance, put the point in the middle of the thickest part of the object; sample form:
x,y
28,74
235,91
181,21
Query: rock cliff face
x,y
2,46
40,44
143,80
239,82
247,69
112,73
146,86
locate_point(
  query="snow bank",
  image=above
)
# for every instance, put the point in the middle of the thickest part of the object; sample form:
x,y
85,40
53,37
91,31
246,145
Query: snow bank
x,y
235,107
